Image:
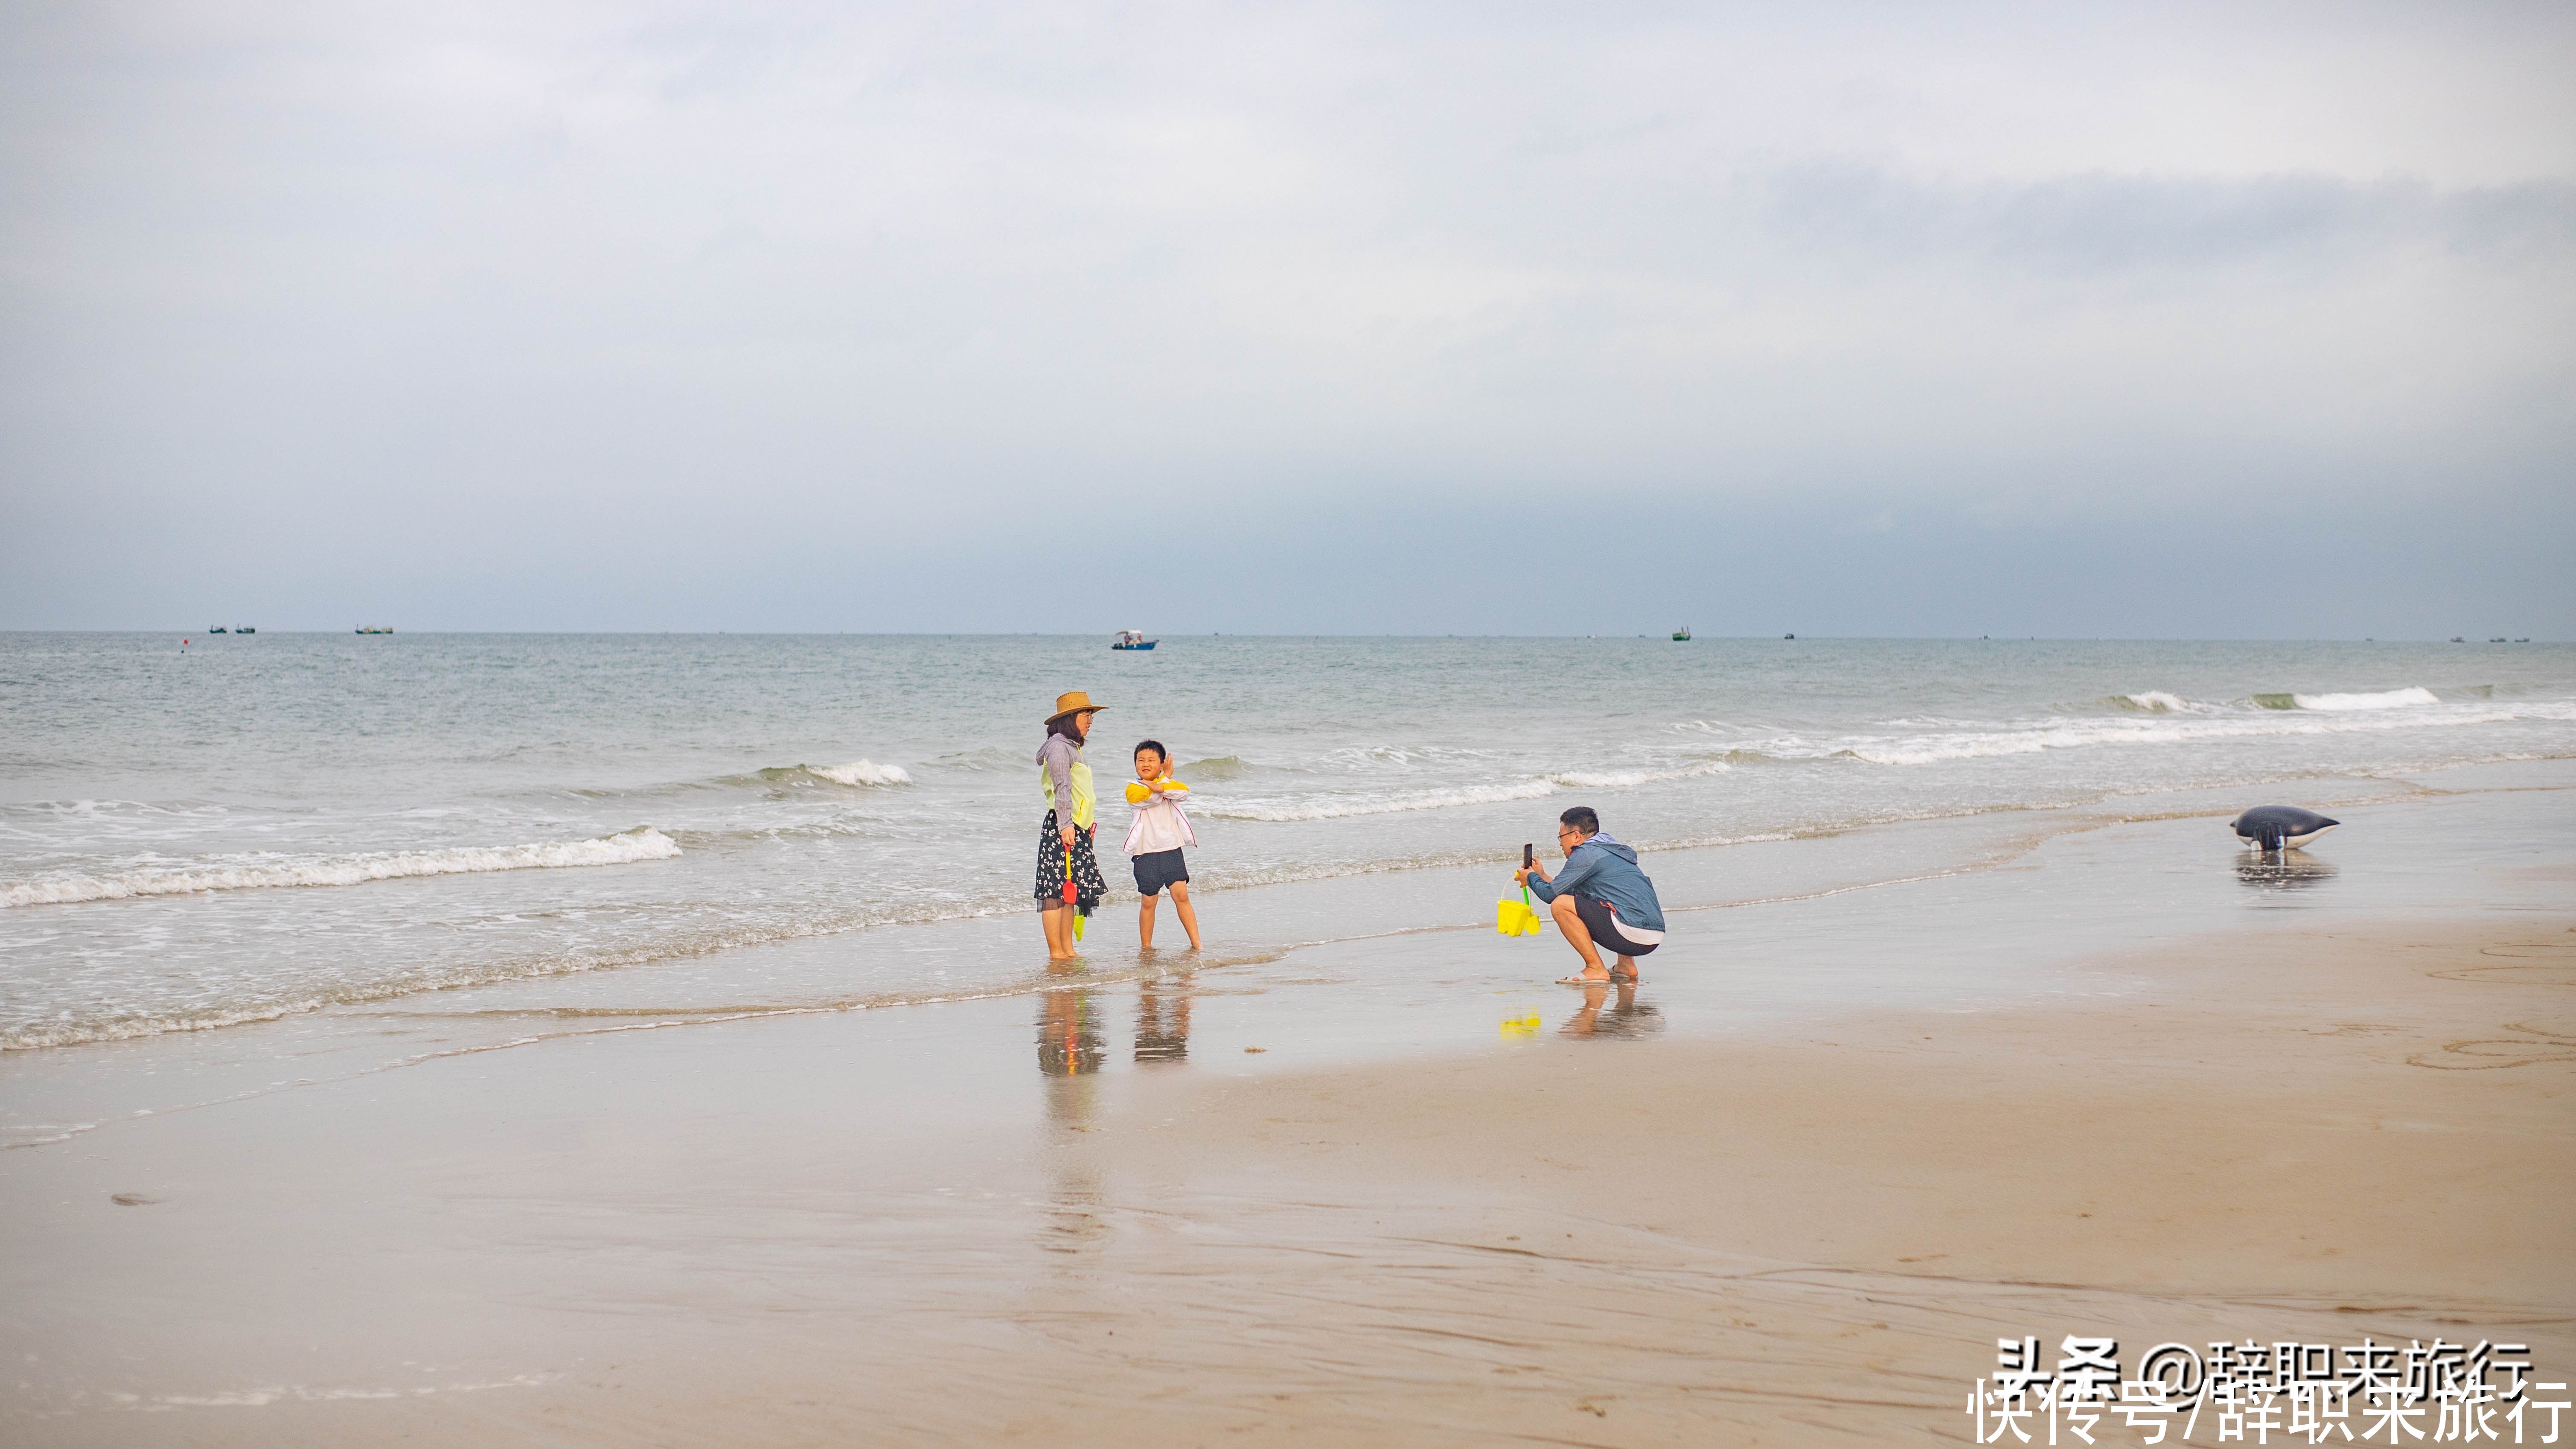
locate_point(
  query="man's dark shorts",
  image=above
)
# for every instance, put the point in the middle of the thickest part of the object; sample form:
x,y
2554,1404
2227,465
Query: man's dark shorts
x,y
1159,869
1604,926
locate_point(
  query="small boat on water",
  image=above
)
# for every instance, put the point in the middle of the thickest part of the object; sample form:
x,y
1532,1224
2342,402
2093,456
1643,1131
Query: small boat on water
x,y
1132,639
1682,635
244,629
217,631
376,629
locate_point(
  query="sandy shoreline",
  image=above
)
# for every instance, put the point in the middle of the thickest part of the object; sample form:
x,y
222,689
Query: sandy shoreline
x,y
2301,1135
823,1229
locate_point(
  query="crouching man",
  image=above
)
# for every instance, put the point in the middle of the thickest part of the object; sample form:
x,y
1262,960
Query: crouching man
x,y
1601,900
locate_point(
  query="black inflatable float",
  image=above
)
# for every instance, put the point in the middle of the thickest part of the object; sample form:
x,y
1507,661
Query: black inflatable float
x,y
2270,827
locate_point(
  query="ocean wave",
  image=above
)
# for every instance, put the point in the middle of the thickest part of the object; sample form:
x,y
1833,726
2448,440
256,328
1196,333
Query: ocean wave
x,y
1370,756
856,774
1622,779
989,757
86,809
667,945
41,821
1338,807
2063,735
259,872
2386,699
1277,810
2153,701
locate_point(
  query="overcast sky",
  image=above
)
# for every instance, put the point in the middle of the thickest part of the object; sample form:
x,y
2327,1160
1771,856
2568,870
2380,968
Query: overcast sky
x,y
2045,319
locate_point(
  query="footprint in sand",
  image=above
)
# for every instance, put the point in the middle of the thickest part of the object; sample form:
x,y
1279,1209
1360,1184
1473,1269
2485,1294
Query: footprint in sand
x,y
2486,1054
2528,963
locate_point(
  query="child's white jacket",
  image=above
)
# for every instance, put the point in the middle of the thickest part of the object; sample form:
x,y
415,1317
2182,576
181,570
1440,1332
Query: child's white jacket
x,y
1159,824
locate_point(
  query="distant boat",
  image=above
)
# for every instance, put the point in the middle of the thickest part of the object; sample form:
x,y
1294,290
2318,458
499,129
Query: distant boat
x,y
1788,636
215,631
1682,635
244,629
1132,639
376,629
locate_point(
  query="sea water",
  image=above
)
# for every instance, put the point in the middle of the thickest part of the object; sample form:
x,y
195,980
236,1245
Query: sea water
x,y
255,827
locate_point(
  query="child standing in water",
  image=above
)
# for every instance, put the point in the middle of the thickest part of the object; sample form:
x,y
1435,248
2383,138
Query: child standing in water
x,y
1154,841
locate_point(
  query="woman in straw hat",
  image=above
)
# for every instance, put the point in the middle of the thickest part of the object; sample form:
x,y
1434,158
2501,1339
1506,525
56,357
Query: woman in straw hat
x,y
1066,834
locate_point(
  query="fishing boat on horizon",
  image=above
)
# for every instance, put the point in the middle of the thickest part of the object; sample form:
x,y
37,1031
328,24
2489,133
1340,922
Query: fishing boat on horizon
x,y
1682,635
376,629
1132,639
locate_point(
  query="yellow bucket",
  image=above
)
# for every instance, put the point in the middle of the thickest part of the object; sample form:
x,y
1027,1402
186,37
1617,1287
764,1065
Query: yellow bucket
x,y
1515,918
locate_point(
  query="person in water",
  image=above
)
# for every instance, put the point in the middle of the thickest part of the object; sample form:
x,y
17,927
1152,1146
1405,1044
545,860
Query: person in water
x,y
1065,836
1601,899
1155,839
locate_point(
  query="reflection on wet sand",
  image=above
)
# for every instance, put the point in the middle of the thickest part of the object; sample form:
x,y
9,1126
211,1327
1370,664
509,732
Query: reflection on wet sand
x,y
1071,1050
1069,1040
2276,870
1163,1019
1606,1015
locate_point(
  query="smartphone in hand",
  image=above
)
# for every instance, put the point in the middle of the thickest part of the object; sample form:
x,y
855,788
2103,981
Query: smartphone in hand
x,y
1529,855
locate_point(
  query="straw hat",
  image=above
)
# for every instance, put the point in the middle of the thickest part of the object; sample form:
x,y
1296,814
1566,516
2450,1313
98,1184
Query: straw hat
x,y
1073,703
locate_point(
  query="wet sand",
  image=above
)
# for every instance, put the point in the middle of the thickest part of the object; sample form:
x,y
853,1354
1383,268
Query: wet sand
x,y
1626,1228
2299,1135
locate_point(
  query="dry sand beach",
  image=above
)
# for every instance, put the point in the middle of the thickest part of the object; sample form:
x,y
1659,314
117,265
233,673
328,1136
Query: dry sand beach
x,y
2213,1099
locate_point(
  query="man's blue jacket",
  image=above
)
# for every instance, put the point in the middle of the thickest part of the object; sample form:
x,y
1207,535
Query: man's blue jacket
x,y
1606,870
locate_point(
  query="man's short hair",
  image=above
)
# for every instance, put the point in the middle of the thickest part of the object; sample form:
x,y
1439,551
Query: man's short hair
x,y
1155,745
1582,818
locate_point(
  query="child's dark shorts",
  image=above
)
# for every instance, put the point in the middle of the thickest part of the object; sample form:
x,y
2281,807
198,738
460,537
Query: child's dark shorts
x,y
1159,869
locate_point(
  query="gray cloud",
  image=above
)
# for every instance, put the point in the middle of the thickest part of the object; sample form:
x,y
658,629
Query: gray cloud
x,y
2086,225
720,313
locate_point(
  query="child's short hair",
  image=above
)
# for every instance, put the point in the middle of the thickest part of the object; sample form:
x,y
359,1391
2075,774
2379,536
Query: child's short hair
x,y
1155,745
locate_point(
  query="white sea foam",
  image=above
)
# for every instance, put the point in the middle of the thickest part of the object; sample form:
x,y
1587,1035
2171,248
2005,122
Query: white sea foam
x,y
1337,807
1369,756
1281,809
1622,779
255,872
2155,701
2386,699
2063,735
859,772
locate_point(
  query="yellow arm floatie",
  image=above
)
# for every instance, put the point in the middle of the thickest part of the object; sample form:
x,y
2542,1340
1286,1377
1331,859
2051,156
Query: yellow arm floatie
x,y
1137,790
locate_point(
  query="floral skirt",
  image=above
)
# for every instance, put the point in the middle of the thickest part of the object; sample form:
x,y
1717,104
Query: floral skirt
x,y
1088,887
